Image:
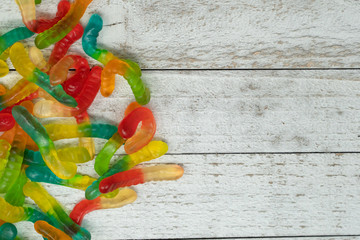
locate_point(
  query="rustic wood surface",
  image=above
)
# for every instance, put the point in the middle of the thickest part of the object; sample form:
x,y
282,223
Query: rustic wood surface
x,y
267,153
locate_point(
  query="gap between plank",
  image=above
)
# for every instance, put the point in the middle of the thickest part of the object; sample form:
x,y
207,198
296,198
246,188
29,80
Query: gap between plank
x,y
254,153
256,237
238,69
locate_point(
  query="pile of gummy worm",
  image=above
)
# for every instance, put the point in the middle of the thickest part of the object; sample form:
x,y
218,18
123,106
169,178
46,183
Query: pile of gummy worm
x,y
51,89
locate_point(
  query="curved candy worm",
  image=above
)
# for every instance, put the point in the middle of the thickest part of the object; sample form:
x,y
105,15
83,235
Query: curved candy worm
x,y
48,108
124,197
7,122
94,130
102,160
151,151
64,26
49,232
66,154
8,231
131,72
13,36
51,207
113,65
61,47
143,136
89,41
12,214
128,127
15,159
44,174
141,175
30,72
21,90
37,132
28,13
15,195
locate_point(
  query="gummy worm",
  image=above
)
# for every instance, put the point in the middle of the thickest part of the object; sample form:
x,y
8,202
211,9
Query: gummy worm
x,y
128,127
37,132
102,160
15,195
13,166
8,231
113,65
44,174
139,176
48,108
151,151
64,26
30,72
49,232
66,154
124,197
131,72
12,214
13,36
51,207
28,13
21,90
61,47
94,130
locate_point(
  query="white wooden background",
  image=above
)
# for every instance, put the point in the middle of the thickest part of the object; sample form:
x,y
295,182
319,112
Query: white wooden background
x,y
259,101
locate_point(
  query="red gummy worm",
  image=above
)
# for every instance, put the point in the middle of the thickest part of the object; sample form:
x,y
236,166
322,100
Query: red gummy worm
x,y
84,207
75,83
41,25
121,179
61,47
90,89
6,121
129,124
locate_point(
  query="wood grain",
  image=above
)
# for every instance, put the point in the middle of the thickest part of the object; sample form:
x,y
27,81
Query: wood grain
x,y
246,111
222,34
227,195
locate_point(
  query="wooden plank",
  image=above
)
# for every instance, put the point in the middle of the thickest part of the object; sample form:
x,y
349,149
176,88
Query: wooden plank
x,y
246,111
223,33
235,195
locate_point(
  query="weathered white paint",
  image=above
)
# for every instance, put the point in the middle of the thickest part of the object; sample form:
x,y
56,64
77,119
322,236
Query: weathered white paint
x,y
247,111
226,195
222,33
234,195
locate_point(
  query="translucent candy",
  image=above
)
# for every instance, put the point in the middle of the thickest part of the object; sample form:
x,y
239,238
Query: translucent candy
x,y
124,197
8,231
30,72
151,151
44,174
139,176
49,232
52,208
64,170
48,108
64,26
